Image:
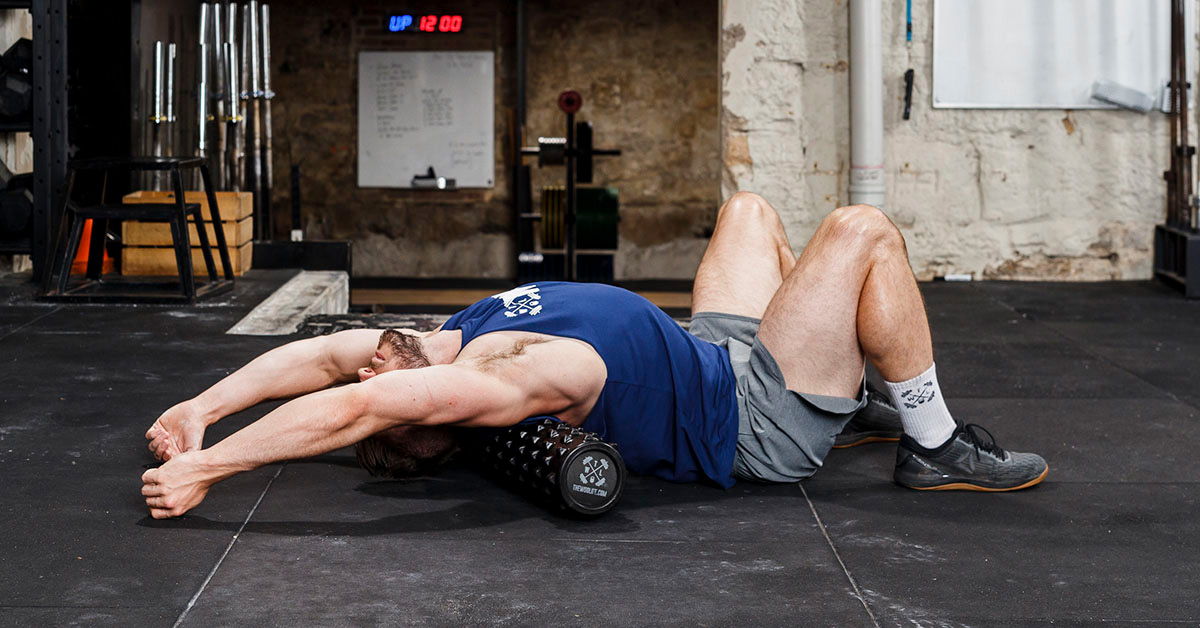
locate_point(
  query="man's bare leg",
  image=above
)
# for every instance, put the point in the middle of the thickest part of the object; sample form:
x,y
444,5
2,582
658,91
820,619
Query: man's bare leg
x,y
749,256
746,260
852,294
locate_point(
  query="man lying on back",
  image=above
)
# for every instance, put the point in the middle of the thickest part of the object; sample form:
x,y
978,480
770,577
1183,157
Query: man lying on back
x,y
771,373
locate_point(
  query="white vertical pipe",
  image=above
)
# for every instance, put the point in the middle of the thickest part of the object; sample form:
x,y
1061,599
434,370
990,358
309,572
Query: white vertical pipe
x,y
866,103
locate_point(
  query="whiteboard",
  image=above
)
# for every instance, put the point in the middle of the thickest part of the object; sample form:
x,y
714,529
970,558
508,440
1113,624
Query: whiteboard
x,y
1048,53
423,109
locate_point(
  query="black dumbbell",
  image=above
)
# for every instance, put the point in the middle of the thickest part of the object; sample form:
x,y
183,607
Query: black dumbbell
x,y
556,464
10,181
16,84
19,57
16,206
20,182
16,202
16,95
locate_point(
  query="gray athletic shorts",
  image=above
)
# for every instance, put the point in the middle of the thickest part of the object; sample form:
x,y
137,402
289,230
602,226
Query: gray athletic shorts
x,y
783,436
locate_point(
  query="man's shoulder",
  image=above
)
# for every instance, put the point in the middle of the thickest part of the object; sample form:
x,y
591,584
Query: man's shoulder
x,y
507,344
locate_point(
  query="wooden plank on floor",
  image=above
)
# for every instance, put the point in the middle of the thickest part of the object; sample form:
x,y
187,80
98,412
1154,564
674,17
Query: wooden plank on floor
x,y
310,292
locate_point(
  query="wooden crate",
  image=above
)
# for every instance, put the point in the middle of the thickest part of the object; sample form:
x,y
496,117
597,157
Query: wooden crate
x,y
134,233
234,205
161,261
148,246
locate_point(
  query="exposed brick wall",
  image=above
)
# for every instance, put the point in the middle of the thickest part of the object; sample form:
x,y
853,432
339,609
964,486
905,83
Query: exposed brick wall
x,y
662,113
648,75
395,232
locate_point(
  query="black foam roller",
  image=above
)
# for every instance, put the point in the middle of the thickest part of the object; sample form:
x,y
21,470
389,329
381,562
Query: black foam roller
x,y
557,464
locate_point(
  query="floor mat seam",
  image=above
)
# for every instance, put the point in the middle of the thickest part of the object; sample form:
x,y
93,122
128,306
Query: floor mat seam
x,y
845,570
204,585
28,323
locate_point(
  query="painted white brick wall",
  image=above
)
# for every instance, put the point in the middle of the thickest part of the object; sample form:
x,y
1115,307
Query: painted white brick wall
x,y
1025,194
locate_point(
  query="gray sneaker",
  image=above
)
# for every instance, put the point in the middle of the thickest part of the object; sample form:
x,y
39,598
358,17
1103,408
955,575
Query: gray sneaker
x,y
878,422
966,462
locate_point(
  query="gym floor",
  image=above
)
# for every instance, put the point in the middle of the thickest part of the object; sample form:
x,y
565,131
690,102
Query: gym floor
x,y
1099,378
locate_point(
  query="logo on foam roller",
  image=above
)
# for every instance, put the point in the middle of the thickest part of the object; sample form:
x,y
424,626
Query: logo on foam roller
x,y
592,477
521,300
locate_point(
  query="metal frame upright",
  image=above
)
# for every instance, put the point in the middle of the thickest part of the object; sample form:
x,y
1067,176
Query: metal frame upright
x,y
49,126
1177,240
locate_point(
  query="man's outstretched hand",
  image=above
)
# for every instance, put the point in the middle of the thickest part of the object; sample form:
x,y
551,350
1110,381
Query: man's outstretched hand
x,y
178,430
176,487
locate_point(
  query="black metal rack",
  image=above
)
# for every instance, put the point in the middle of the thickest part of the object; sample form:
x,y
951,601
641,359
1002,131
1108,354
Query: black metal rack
x,y
46,125
49,131
1177,240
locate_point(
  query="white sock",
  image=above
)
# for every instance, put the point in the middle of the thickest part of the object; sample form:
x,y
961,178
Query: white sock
x,y
922,410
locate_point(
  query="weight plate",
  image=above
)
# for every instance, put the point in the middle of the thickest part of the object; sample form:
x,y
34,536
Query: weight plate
x,y
570,101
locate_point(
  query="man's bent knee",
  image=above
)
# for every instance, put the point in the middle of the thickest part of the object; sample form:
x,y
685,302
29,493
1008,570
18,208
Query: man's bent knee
x,y
748,203
865,227
750,209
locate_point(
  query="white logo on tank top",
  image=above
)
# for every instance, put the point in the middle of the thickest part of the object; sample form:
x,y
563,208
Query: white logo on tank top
x,y
522,300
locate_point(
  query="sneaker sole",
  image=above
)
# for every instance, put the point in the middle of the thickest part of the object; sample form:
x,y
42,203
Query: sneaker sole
x,y
864,439
963,486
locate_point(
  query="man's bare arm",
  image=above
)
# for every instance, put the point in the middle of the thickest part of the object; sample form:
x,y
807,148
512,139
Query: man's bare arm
x,y
291,370
294,369
331,419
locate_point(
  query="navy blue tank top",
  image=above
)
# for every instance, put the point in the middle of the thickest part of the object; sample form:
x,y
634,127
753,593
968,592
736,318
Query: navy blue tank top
x,y
668,403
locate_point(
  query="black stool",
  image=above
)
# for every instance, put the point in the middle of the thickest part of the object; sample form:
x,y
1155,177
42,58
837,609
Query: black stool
x,y
177,213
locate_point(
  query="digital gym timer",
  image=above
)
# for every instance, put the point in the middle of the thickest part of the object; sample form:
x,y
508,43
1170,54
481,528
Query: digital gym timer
x,y
425,23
